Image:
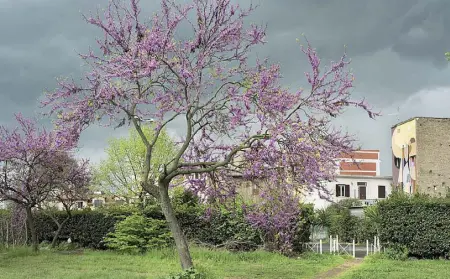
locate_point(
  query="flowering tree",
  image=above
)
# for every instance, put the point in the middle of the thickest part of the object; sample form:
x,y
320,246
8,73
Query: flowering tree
x,y
29,166
203,78
69,187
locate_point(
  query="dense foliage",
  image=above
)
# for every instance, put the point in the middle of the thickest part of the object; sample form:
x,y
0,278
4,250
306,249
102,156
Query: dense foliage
x,y
119,173
137,233
420,224
86,228
130,229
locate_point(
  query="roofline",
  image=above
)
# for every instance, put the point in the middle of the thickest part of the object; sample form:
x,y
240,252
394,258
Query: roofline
x,y
417,117
364,177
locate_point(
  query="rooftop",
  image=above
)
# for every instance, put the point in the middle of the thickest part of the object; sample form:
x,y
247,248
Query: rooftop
x,y
364,177
417,117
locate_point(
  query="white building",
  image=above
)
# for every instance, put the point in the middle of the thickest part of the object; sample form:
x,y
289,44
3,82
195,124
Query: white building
x,y
358,178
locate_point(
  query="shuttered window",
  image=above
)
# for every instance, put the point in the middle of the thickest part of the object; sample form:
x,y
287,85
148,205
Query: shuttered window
x,y
381,192
342,190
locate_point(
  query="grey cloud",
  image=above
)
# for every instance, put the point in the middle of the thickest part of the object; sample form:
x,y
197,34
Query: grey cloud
x,y
397,48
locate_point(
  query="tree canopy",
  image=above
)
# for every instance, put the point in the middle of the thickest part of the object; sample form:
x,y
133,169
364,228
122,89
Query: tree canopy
x,y
120,173
188,66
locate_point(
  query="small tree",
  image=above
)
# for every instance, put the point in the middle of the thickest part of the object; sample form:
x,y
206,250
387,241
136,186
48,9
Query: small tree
x,y
120,173
202,78
30,170
71,187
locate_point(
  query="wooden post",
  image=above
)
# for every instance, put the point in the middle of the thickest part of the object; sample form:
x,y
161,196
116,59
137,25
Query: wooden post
x,y
353,244
320,246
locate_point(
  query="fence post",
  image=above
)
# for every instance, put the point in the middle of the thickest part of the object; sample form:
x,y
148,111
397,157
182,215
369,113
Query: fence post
x,y
353,244
320,246
337,244
7,235
331,244
374,244
367,247
378,244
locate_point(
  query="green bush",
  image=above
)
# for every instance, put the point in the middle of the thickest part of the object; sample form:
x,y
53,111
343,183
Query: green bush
x,y
396,252
340,222
137,233
229,229
304,225
419,223
188,274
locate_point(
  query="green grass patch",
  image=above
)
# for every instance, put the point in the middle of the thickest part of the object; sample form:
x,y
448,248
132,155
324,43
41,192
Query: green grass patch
x,y
377,267
22,263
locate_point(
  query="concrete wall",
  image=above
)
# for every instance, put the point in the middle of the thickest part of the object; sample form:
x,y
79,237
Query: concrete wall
x,y
433,156
404,151
371,189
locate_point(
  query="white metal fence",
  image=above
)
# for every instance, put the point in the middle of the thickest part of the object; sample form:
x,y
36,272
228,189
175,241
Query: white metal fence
x,y
344,248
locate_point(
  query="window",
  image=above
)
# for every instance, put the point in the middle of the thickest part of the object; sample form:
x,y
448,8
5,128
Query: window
x,y
381,191
98,203
80,205
342,190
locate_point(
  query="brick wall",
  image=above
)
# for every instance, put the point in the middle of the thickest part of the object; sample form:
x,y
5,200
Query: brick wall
x,y
433,156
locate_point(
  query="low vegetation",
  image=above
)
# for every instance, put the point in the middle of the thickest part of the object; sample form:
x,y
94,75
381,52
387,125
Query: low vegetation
x,y
22,263
420,224
375,267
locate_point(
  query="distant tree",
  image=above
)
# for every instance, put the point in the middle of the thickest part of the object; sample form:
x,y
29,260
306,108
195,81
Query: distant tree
x,y
30,167
120,173
72,186
190,65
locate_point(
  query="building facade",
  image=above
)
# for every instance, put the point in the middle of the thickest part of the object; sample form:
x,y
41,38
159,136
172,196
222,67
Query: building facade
x,y
358,177
421,156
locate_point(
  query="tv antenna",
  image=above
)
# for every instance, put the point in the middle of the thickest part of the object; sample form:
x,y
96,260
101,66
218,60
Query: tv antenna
x,y
398,114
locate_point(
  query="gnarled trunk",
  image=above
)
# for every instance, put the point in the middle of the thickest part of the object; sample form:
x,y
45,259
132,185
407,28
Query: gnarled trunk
x,y
58,230
32,227
175,228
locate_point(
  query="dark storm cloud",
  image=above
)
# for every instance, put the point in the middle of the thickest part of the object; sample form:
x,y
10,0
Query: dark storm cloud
x,y
397,48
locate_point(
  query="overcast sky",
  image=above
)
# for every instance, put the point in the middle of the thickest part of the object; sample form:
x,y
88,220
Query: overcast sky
x,y
397,48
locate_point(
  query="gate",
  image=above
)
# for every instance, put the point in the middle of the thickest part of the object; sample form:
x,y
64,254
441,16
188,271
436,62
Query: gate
x,y
344,248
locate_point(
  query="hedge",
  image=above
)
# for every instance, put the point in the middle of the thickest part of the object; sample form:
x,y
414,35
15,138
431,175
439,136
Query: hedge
x,y
419,223
224,228
86,228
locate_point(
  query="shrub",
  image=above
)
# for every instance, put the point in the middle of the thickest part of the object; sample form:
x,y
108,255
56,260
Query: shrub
x,y
396,252
340,221
229,229
188,274
304,224
419,223
137,233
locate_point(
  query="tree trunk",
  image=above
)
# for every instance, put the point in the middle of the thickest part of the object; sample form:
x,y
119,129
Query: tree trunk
x,y
175,228
31,225
58,231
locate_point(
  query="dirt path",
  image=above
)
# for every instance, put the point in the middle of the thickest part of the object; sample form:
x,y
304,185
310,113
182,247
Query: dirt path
x,y
338,270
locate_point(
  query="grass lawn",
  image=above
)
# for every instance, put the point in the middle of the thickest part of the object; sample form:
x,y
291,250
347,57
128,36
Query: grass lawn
x,y
375,267
21,263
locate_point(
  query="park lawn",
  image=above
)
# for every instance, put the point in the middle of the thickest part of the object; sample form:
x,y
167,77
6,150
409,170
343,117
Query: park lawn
x,y
21,263
376,267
